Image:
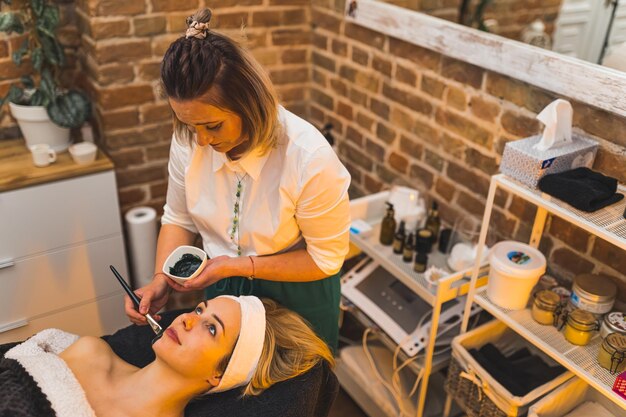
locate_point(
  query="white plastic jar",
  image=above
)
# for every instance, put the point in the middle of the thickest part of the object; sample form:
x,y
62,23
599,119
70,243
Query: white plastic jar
x,y
515,269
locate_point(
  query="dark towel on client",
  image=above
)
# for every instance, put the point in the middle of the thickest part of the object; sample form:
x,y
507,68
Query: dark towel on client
x,y
308,395
582,188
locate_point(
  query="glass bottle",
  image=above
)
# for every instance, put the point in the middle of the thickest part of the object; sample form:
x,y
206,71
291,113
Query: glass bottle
x,y
433,222
409,247
388,226
612,353
424,241
421,262
398,239
579,327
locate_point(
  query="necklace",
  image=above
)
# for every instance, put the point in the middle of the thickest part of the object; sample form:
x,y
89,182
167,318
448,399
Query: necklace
x,y
236,211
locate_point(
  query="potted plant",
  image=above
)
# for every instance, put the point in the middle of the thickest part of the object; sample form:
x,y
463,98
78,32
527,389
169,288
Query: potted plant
x,y
45,112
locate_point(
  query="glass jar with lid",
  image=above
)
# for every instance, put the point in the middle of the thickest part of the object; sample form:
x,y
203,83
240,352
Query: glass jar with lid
x,y
593,293
614,322
612,353
545,306
579,327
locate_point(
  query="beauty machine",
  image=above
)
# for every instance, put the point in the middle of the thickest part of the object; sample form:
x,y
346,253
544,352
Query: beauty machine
x,y
396,309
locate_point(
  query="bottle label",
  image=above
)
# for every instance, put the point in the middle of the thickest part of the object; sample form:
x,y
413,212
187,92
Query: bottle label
x,y
519,258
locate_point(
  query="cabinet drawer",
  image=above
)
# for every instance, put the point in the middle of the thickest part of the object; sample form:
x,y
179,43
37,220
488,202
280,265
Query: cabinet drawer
x,y
49,216
60,279
95,318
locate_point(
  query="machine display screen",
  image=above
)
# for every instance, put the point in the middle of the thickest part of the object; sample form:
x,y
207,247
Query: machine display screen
x,y
403,291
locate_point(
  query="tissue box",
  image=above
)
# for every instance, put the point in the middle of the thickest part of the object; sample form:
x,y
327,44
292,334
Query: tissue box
x,y
528,165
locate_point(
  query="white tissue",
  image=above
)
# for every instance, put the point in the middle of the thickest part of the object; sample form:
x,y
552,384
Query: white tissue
x,y
557,118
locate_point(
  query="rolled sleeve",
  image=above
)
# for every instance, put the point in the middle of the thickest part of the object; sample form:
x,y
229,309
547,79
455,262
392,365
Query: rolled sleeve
x,y
175,210
323,210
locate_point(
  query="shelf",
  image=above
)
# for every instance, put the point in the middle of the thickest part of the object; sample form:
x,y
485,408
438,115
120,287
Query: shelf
x,y
459,281
581,360
607,223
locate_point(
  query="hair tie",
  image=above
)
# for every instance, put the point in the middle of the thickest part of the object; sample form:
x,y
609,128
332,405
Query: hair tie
x,y
197,30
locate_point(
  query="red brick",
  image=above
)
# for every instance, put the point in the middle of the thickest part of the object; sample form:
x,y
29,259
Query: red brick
x,y
610,255
611,164
4,49
125,139
517,92
434,160
357,97
456,98
476,159
354,135
290,37
339,48
364,121
339,87
522,209
405,75
362,34
411,147
155,113
445,189
114,7
465,128
325,20
484,109
382,65
360,56
287,76
120,119
353,154
379,108
416,54
600,123
322,99
150,71
462,72
344,110
471,204
469,179
161,43
158,190
319,78
372,185
293,56
422,175
122,51
149,25
126,158
142,175
158,152
266,18
400,119
173,5
375,150
407,99
355,173
235,20
114,97
503,224
105,29
571,261
452,146
323,61
398,162
131,196
519,125
571,235
388,176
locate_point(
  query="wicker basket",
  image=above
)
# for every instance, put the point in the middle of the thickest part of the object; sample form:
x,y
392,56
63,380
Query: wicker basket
x,y
475,390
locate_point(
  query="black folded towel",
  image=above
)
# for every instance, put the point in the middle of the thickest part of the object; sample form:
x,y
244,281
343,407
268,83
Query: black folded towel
x,y
582,188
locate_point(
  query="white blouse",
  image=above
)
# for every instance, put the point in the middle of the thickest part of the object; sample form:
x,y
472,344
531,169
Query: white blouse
x,y
294,196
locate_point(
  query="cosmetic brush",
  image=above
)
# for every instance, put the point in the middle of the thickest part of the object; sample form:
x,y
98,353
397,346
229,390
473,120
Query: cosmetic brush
x,y
156,328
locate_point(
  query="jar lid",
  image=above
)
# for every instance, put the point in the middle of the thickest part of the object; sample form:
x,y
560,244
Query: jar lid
x,y
616,321
581,319
595,288
548,298
517,259
615,342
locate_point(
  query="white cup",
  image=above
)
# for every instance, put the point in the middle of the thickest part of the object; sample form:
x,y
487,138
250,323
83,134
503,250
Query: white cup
x,y
43,155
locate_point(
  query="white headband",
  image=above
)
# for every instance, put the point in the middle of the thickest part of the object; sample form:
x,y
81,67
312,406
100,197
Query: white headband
x,y
247,351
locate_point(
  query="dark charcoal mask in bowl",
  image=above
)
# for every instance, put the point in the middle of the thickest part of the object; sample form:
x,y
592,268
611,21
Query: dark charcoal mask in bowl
x,y
186,265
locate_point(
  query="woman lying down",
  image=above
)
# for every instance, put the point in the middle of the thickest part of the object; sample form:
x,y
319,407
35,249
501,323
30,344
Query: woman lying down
x,y
224,343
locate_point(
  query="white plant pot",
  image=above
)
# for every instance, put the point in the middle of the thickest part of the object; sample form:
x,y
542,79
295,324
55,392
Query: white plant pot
x,y
37,127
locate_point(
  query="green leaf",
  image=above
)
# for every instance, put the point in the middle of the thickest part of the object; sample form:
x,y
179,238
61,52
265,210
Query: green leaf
x,y
37,6
27,81
19,54
38,99
50,17
10,22
52,50
47,86
36,57
14,95
69,110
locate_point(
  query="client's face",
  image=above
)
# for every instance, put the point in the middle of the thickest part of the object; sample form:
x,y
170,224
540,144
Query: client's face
x,y
196,342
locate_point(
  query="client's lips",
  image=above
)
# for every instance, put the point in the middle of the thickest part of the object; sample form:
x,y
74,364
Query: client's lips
x,y
171,333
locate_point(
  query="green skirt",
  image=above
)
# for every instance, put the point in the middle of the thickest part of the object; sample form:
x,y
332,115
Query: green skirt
x,y
316,301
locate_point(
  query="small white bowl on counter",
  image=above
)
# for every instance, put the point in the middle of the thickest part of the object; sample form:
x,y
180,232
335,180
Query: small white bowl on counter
x,y
83,152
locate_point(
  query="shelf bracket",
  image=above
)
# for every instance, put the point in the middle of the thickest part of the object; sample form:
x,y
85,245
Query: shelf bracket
x,y
538,226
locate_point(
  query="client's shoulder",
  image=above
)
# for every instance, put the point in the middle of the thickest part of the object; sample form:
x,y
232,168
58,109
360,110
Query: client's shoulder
x,y
89,348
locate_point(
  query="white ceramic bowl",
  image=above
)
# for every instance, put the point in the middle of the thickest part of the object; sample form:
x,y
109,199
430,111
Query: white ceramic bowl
x,y
83,152
175,257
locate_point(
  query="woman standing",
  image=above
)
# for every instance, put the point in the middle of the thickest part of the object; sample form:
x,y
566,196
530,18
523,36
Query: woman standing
x,y
262,187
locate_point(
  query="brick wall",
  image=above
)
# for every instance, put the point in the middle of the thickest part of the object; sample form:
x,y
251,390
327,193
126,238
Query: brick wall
x,y
407,115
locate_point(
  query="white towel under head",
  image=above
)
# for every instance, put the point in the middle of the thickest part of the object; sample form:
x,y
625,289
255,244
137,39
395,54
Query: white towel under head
x,y
247,351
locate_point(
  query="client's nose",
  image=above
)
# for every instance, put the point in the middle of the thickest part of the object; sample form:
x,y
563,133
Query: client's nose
x,y
189,321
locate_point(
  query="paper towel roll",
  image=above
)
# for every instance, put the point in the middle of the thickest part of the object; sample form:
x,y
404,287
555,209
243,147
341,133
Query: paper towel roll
x,y
142,238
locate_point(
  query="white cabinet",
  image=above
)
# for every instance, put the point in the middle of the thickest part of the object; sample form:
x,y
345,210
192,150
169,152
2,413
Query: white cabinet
x,y
57,241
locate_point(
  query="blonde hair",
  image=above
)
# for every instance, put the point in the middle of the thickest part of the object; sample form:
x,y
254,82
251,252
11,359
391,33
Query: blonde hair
x,y
290,349
218,71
